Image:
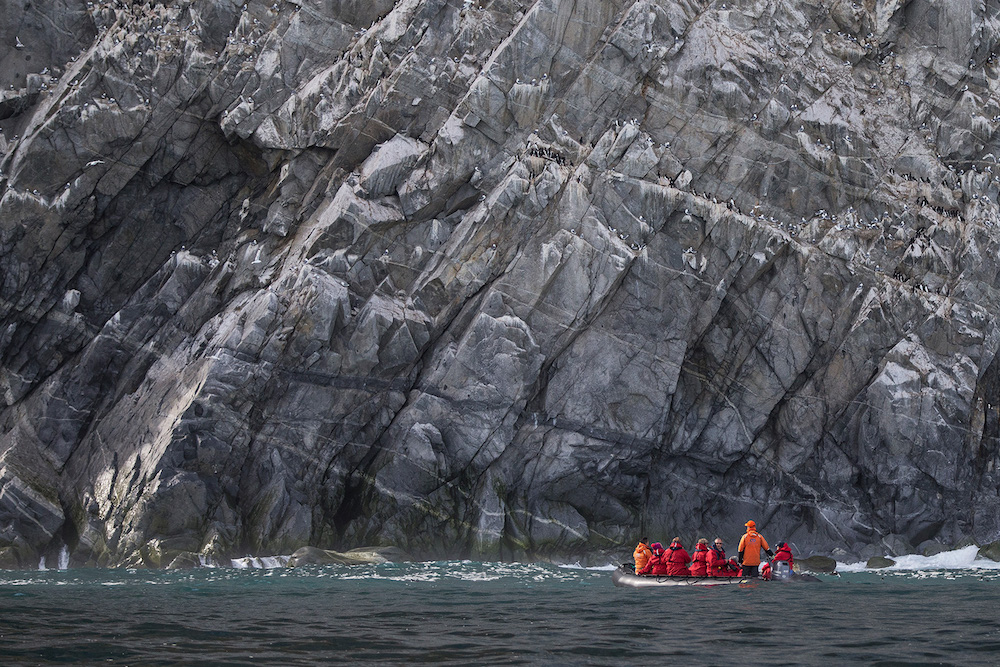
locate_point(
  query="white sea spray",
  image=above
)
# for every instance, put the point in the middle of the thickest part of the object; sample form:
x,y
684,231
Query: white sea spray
x,y
965,558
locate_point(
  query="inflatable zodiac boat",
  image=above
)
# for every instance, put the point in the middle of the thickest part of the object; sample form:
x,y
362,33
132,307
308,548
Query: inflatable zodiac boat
x,y
624,576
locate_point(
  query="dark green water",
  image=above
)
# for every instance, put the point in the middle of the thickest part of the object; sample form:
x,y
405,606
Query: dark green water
x,y
490,613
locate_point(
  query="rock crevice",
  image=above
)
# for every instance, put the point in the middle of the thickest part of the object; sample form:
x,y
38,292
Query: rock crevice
x,y
495,279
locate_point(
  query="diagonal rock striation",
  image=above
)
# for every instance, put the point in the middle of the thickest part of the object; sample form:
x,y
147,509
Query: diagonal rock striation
x,y
496,278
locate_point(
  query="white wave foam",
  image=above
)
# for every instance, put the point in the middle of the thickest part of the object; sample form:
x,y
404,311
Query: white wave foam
x,y
260,562
419,576
959,559
472,571
476,576
64,558
593,568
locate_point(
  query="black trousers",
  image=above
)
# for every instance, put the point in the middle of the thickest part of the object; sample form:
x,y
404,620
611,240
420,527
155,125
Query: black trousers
x,y
749,570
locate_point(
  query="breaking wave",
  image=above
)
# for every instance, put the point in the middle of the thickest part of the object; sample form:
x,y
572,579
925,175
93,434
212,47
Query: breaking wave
x,y
965,558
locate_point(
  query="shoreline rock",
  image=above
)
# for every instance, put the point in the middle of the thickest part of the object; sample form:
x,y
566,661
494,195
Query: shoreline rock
x,y
990,551
820,564
359,556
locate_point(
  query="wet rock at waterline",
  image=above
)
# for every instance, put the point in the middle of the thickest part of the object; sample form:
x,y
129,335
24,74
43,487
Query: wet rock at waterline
x,y
498,279
878,562
991,551
359,556
821,564
185,561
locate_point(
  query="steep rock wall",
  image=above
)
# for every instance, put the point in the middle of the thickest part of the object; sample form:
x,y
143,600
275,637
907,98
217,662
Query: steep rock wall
x,y
502,278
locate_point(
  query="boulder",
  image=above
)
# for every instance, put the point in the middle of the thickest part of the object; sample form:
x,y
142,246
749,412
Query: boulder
x,y
896,545
990,551
931,548
186,560
878,562
8,559
359,556
822,564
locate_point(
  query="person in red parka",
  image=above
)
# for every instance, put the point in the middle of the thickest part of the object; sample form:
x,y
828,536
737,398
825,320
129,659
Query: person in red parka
x,y
699,561
718,566
677,559
657,564
784,553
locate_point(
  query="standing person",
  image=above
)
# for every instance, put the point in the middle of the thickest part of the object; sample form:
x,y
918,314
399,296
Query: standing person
x,y
750,546
642,554
718,566
677,559
699,562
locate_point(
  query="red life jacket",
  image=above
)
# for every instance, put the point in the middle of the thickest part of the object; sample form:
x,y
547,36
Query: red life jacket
x,y
677,559
656,565
785,553
718,566
699,564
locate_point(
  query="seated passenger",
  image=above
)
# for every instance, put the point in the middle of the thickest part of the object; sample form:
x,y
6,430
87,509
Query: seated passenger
x,y
782,562
641,554
677,559
718,566
657,564
784,553
699,563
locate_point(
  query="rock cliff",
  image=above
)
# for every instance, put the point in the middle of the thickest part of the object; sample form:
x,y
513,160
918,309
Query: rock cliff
x,y
496,278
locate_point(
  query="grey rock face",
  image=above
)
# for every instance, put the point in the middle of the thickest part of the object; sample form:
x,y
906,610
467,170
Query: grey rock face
x,y
496,279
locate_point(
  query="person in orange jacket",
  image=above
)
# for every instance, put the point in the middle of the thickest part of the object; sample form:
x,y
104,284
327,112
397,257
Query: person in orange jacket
x,y
699,561
677,559
718,566
750,547
642,554
657,563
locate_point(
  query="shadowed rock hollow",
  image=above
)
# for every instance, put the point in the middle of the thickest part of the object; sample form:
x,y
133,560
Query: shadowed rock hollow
x,y
496,279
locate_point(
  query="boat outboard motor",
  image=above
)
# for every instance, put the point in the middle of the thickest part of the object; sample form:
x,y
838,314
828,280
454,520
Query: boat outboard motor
x,y
781,569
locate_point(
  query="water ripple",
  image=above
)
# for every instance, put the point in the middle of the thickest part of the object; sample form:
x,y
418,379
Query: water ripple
x,y
462,612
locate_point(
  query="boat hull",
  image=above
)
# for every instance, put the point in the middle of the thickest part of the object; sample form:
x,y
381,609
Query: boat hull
x,y
624,577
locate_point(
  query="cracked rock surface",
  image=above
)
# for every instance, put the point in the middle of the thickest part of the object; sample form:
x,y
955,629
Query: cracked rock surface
x,y
496,278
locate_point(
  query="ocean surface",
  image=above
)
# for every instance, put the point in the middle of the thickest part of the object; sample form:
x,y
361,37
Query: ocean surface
x,y
943,610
